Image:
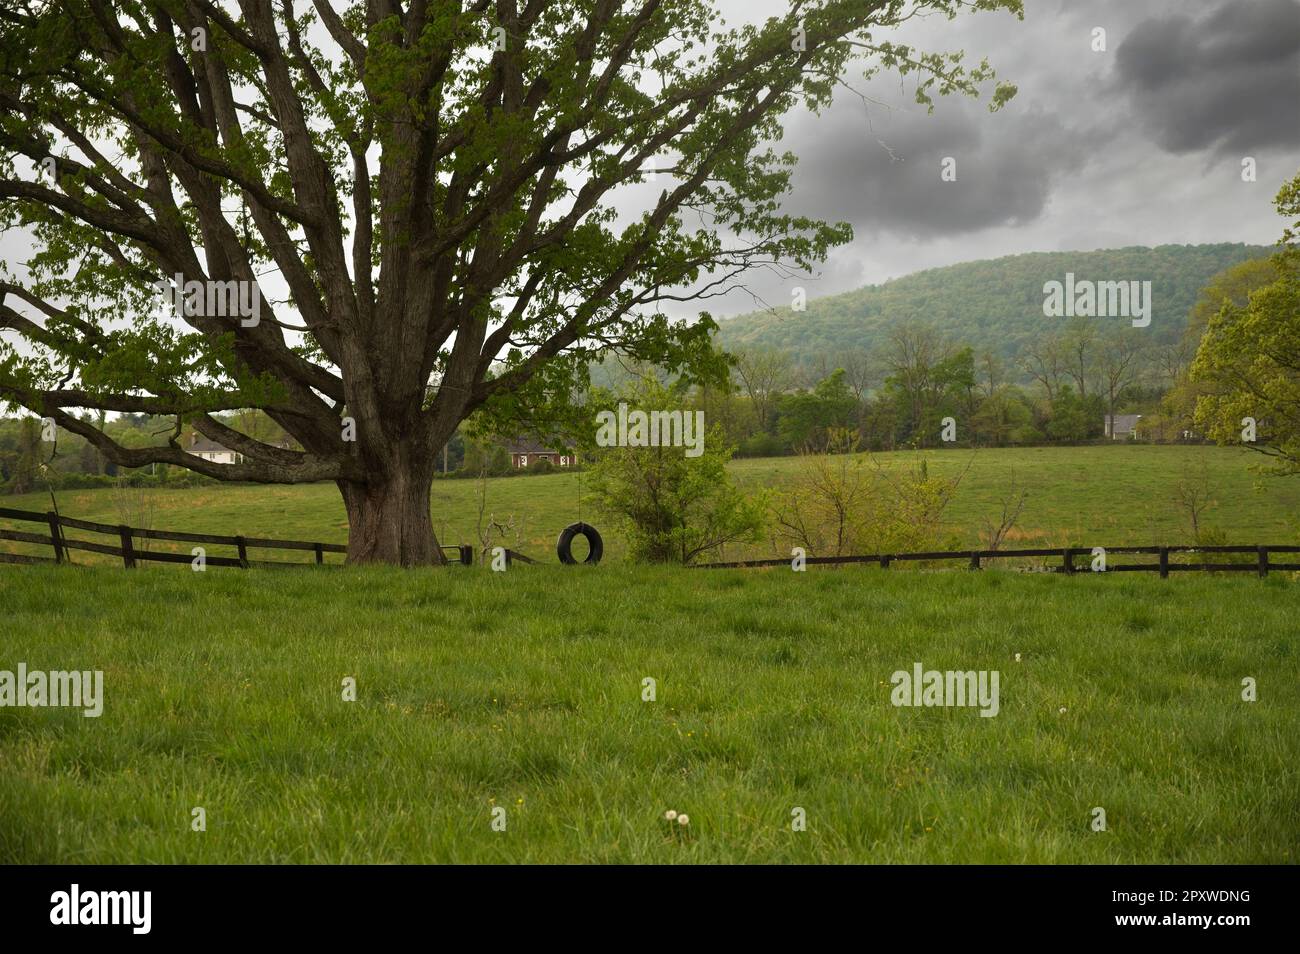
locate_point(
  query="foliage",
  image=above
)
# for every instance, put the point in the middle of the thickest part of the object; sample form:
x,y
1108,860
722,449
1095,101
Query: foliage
x,y
808,419
674,508
1248,363
996,304
844,503
1076,418
436,186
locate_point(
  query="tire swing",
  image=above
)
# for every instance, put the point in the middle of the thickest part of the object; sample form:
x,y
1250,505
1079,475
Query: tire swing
x,y
564,546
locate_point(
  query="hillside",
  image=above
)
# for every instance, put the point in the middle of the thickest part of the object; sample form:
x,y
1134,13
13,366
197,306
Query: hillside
x,y
995,304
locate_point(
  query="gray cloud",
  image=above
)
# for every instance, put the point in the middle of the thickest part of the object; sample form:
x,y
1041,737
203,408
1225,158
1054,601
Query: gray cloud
x,y
885,176
1227,81
1137,145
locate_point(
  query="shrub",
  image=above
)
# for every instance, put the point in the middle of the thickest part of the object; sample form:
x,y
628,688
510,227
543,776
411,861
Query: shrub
x,y
674,508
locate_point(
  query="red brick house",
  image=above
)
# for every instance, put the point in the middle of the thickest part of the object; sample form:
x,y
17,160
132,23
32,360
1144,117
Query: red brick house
x,y
525,452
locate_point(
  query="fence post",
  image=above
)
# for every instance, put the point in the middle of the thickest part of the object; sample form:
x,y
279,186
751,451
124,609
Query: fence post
x,y
56,537
128,550
320,553
884,561
974,559
1164,563
1262,553
1067,559
466,555
243,553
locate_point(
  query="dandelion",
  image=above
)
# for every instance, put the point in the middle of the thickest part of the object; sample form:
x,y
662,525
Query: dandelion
x,y
670,815
1017,657
683,820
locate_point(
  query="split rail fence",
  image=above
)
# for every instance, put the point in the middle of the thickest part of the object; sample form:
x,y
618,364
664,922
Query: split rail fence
x,y
132,551
130,548
976,559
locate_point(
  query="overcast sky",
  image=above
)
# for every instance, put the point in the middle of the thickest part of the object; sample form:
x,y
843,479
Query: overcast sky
x,y
1139,145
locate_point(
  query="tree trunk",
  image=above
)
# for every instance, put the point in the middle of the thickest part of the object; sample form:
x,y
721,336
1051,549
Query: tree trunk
x,y
388,516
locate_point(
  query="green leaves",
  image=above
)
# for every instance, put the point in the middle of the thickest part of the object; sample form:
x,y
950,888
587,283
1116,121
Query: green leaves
x,y
429,198
1248,362
674,506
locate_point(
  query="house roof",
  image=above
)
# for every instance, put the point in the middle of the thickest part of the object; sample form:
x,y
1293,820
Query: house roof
x,y
1123,422
202,445
530,445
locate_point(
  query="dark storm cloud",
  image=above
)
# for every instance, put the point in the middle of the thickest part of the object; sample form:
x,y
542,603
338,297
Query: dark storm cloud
x,y
885,177
1227,81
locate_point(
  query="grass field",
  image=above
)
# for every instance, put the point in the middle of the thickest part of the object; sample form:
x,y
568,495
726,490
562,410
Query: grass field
x,y
523,691
1107,495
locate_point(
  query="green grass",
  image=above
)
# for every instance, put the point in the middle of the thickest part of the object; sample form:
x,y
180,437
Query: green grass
x,y
523,690
1107,495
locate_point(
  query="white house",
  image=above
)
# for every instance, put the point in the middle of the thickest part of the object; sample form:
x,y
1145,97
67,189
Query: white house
x,y
1122,427
211,450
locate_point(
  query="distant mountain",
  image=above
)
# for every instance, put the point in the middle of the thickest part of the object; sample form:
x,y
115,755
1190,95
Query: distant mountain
x,y
995,304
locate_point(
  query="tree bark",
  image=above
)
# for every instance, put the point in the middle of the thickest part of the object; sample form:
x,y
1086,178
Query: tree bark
x,y
388,516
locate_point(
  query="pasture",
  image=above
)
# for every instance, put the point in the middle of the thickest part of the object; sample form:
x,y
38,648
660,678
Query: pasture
x,y
1117,495
524,691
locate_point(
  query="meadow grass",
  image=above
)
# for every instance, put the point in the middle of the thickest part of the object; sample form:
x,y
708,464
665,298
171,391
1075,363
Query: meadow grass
x,y
1112,495
523,691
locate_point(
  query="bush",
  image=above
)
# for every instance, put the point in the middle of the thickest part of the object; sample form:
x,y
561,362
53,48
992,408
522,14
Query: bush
x,y
845,503
541,466
674,508
761,445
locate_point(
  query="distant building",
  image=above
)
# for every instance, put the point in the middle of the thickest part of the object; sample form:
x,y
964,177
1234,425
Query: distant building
x,y
1122,427
201,446
525,452
210,450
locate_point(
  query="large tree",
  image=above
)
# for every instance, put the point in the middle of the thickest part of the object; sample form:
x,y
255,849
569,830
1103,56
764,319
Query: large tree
x,y
422,193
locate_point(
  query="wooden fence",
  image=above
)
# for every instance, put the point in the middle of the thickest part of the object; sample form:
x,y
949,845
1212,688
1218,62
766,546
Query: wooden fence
x,y
976,559
132,555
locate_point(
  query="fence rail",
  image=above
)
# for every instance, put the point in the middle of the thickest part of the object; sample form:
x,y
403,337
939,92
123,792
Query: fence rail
x,y
976,559
131,555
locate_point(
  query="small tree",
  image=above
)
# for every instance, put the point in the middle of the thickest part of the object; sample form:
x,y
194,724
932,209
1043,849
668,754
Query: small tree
x,y
835,490
1192,496
1012,502
673,507
846,503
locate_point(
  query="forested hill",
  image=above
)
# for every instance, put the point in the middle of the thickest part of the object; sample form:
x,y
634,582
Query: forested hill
x,y
995,304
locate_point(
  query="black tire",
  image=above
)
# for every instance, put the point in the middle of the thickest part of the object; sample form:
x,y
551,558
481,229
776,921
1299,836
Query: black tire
x,y
564,546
